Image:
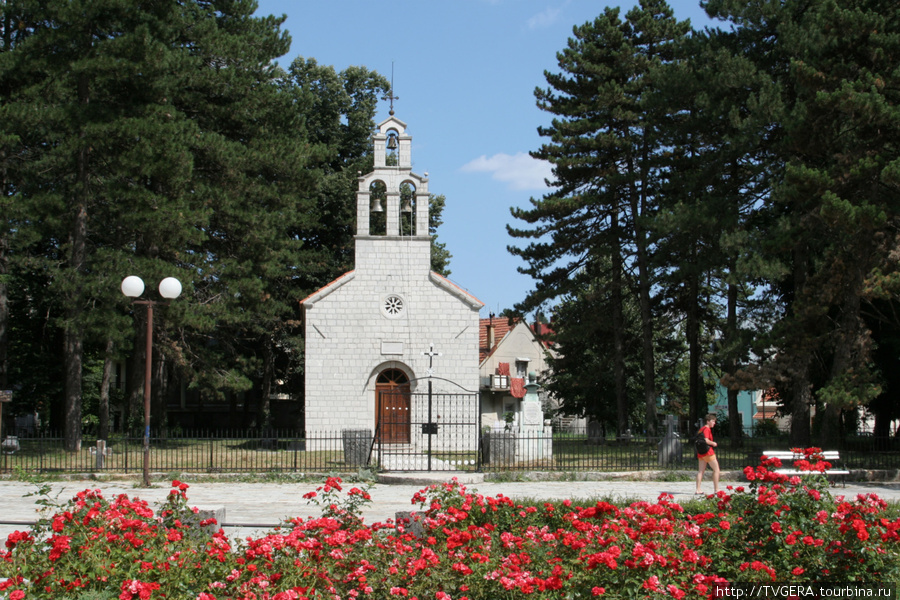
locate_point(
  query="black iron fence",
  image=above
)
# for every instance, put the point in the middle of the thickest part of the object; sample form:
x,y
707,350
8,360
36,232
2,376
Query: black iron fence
x,y
576,451
349,450
220,452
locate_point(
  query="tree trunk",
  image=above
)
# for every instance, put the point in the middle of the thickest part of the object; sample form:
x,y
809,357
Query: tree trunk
x,y
846,341
4,241
882,428
4,313
647,344
698,405
802,385
618,331
649,366
73,344
638,210
265,404
103,434
74,351
800,429
735,425
134,405
242,419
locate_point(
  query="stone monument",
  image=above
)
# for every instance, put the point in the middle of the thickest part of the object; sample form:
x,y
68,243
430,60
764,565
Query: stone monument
x,y
669,447
535,439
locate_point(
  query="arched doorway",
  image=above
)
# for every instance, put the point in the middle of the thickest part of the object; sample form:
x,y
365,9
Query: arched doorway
x,y
393,406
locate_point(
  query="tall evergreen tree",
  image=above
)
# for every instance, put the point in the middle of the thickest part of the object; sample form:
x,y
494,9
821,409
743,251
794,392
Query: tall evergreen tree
x,y
834,211
605,152
160,139
87,94
714,176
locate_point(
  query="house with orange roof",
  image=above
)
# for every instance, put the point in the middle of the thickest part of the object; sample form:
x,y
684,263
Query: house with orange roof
x,y
508,350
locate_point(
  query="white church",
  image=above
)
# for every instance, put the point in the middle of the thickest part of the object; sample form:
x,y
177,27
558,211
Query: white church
x,y
391,324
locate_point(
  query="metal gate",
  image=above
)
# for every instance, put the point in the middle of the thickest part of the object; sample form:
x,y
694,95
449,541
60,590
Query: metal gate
x,y
427,431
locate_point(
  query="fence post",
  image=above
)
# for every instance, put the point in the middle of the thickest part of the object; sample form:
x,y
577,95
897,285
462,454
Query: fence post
x,y
211,460
478,437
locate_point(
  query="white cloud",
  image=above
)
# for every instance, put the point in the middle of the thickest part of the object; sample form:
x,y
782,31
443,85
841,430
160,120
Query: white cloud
x,y
520,171
546,18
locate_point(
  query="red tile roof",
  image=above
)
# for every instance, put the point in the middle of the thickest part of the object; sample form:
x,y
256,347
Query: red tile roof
x,y
766,412
501,325
542,331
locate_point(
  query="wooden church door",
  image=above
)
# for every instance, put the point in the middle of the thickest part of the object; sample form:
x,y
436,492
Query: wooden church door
x,y
393,406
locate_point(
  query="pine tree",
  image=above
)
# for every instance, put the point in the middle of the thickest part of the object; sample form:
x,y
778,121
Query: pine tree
x,y
159,140
87,94
717,102
605,154
833,220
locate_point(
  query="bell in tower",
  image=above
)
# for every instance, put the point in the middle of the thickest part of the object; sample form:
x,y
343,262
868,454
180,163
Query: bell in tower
x,y
393,200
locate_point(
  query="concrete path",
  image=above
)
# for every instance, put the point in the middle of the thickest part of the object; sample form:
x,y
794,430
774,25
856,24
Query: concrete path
x,y
254,508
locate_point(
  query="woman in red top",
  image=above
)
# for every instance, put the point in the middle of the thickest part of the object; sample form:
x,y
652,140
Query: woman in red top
x,y
709,457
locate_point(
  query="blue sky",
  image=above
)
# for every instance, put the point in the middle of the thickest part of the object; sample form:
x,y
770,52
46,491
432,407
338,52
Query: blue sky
x,y
465,72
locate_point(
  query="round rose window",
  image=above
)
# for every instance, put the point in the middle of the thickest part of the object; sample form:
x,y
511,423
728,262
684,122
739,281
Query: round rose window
x,y
393,306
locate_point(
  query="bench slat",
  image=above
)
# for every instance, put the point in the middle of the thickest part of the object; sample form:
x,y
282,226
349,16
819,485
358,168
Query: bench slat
x,y
797,472
829,455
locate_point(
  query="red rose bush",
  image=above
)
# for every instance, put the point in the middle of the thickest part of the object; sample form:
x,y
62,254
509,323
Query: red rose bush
x,y
462,545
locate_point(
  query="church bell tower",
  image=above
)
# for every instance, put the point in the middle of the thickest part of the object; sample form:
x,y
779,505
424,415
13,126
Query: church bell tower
x,y
392,204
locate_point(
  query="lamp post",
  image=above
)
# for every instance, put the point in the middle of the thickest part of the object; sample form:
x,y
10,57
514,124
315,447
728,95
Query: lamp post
x,y
133,287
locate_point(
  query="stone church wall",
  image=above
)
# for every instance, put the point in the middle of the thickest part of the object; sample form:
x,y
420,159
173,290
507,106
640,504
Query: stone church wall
x,y
350,339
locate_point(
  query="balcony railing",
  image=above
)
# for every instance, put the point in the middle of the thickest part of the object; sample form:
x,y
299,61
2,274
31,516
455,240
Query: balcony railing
x,y
499,383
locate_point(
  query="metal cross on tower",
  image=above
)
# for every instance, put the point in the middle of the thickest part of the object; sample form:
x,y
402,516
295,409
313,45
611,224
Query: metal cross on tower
x,y
431,354
391,95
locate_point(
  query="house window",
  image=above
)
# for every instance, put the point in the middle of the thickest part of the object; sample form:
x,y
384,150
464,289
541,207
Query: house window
x,y
521,368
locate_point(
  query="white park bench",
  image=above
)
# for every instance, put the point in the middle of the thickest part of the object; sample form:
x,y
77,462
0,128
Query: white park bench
x,y
786,456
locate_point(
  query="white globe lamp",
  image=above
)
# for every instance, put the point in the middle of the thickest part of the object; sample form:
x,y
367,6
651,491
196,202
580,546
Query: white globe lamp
x,y
170,288
132,286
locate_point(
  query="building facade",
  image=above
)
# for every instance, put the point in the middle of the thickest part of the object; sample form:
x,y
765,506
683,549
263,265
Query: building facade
x,y
390,325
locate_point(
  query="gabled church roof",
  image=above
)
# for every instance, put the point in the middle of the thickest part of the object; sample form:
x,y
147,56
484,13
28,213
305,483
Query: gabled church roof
x,y
327,289
454,289
441,281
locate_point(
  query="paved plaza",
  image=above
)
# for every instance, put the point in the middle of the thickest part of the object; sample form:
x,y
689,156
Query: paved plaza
x,y
254,508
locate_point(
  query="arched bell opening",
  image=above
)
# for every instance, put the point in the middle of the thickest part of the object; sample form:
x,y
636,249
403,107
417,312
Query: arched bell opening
x,y
392,148
407,208
377,203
